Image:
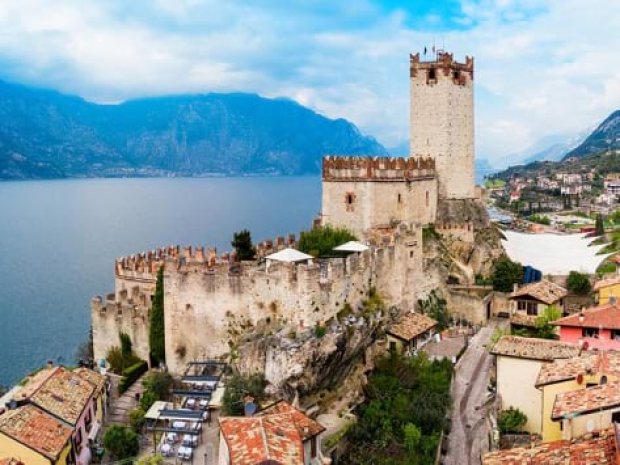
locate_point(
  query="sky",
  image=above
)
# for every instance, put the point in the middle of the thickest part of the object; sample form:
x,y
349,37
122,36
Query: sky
x,y
542,68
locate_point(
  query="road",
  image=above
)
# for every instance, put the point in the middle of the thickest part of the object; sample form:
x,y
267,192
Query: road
x,y
469,436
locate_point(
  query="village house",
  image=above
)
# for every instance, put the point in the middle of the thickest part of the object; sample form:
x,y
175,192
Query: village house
x,y
70,398
410,333
531,300
607,289
599,449
33,437
582,372
518,361
277,434
100,394
598,326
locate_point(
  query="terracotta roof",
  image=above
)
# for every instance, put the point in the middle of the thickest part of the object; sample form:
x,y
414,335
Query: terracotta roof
x,y
545,291
588,450
63,394
606,282
604,316
582,401
10,461
306,426
588,362
253,440
94,378
36,429
411,325
534,348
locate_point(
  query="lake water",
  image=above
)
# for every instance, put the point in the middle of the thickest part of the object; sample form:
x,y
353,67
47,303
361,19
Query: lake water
x,y
59,239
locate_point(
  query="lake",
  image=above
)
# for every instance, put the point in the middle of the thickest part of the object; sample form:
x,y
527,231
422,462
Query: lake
x,y
59,239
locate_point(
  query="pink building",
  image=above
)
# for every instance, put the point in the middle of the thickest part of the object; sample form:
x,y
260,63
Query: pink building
x,y
598,326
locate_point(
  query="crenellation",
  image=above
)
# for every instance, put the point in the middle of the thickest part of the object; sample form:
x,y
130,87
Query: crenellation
x,y
377,169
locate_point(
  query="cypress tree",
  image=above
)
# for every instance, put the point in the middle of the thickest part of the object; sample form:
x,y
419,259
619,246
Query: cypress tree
x,y
156,333
599,225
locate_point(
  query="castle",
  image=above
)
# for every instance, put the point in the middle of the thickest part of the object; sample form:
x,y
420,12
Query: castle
x,y
211,300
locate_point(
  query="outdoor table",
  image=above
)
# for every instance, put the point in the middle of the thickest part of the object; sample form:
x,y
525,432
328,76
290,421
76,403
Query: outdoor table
x,y
190,440
190,402
185,452
178,425
171,437
203,402
166,450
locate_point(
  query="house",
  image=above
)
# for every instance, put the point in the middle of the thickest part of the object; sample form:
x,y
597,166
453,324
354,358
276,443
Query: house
x,y
70,398
555,379
518,361
588,450
586,410
531,300
34,437
410,333
278,434
101,390
607,289
598,326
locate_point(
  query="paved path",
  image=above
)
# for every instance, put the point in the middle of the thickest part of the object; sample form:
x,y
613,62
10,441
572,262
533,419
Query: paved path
x,y
120,406
469,436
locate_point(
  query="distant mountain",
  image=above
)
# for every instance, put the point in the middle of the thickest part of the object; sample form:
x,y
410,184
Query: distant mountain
x,y
45,134
605,137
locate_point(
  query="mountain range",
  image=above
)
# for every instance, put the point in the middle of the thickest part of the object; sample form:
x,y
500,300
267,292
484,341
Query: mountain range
x,y
45,134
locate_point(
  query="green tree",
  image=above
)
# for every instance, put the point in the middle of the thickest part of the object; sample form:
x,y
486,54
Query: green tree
x,y
242,243
151,460
126,345
511,421
506,274
159,383
544,328
136,419
156,331
121,441
599,225
578,283
412,434
321,241
238,387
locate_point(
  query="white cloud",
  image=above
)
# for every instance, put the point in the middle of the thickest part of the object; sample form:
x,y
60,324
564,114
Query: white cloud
x,y
542,67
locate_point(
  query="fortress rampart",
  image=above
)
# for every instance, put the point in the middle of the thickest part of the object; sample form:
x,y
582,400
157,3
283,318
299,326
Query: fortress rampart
x,y
377,169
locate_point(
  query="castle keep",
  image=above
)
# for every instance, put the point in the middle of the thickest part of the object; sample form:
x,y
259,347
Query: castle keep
x,y
211,300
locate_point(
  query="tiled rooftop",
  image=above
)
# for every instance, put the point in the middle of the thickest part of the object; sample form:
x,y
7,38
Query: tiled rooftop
x,y
63,394
94,378
534,348
604,316
36,429
306,426
581,401
588,450
544,291
411,325
588,362
253,440
606,282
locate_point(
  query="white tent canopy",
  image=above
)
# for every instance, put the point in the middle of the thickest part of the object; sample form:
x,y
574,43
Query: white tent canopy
x,y
289,256
556,254
351,246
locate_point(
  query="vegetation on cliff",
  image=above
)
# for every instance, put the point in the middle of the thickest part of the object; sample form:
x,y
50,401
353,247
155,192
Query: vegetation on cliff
x,y
242,243
506,274
578,283
405,410
156,331
121,358
437,308
238,387
320,242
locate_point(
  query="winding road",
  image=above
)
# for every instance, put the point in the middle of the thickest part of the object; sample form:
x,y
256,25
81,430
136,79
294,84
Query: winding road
x,y
469,436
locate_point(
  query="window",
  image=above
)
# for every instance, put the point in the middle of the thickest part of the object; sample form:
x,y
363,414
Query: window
x,y
615,334
456,75
432,74
531,308
589,332
88,420
399,198
349,199
427,198
313,447
411,254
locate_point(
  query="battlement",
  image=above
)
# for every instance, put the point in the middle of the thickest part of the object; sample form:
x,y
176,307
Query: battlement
x,y
377,169
458,72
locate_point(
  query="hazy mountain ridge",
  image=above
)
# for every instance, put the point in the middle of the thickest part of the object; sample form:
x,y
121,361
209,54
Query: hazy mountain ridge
x,y
45,134
605,137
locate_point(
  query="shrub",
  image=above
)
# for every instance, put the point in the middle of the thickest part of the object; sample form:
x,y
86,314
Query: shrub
x,y
578,283
136,419
152,460
121,441
239,386
511,421
321,241
506,274
159,383
320,331
437,308
242,243
131,374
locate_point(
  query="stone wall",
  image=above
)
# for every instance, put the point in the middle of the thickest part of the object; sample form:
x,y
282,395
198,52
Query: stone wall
x,y
442,121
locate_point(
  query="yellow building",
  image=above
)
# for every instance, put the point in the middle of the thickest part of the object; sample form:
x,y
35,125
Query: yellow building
x,y
607,288
518,361
564,379
33,437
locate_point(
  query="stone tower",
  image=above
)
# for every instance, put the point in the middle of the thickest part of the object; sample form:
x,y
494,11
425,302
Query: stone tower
x,y
442,120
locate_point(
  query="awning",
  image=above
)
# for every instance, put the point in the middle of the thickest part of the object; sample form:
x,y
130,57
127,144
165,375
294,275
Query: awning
x,y
289,256
94,431
153,412
352,246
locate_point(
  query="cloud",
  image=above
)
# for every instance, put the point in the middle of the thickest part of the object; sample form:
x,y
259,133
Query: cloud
x,y
542,67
